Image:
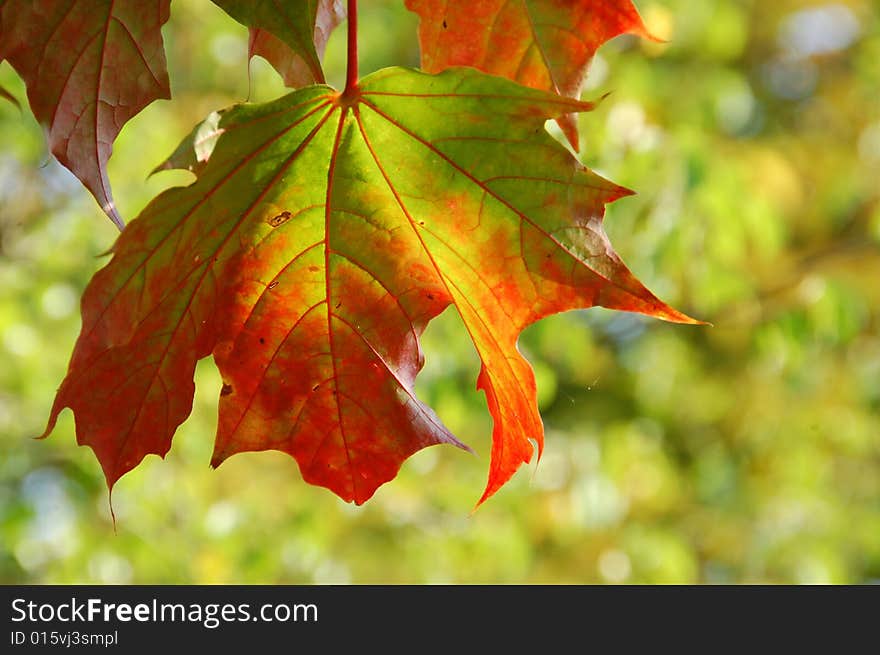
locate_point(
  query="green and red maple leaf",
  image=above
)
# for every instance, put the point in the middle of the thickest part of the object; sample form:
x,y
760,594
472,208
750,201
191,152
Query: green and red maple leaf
x,y
543,44
290,36
326,229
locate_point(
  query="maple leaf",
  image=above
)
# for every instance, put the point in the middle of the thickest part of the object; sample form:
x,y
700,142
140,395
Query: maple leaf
x,y
543,44
194,151
322,234
290,36
89,68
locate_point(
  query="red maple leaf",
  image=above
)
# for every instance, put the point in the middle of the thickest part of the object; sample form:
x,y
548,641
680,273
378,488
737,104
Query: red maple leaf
x,y
323,232
89,68
544,44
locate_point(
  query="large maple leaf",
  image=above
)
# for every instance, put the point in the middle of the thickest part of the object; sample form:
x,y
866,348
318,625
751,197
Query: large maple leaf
x,y
89,68
322,234
290,36
544,44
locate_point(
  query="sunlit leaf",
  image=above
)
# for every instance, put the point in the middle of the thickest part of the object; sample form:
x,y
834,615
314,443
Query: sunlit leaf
x,y
194,151
89,68
291,36
323,234
544,44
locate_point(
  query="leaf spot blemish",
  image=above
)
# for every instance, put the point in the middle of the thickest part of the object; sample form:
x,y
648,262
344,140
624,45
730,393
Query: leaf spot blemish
x,y
279,219
444,24
315,388
262,340
273,284
338,305
225,390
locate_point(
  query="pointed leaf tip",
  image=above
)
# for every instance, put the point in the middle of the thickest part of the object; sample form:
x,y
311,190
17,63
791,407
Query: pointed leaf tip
x,y
522,40
290,36
194,151
85,100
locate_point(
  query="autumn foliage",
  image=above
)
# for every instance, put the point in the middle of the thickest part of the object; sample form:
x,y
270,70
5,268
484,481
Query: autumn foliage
x,y
327,228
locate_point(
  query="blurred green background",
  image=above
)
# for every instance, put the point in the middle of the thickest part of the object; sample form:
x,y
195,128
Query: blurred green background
x,y
744,452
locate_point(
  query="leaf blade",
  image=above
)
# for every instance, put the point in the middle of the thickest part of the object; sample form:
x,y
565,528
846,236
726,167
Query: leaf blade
x,y
290,36
89,69
317,242
543,44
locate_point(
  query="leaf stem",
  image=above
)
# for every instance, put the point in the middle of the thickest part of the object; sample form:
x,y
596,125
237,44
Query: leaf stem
x,y
351,80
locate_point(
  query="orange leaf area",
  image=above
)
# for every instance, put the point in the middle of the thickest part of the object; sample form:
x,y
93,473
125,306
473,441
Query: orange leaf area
x,y
543,44
321,236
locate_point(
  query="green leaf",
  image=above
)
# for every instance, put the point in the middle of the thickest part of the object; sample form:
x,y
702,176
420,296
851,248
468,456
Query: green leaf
x,y
11,98
291,36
